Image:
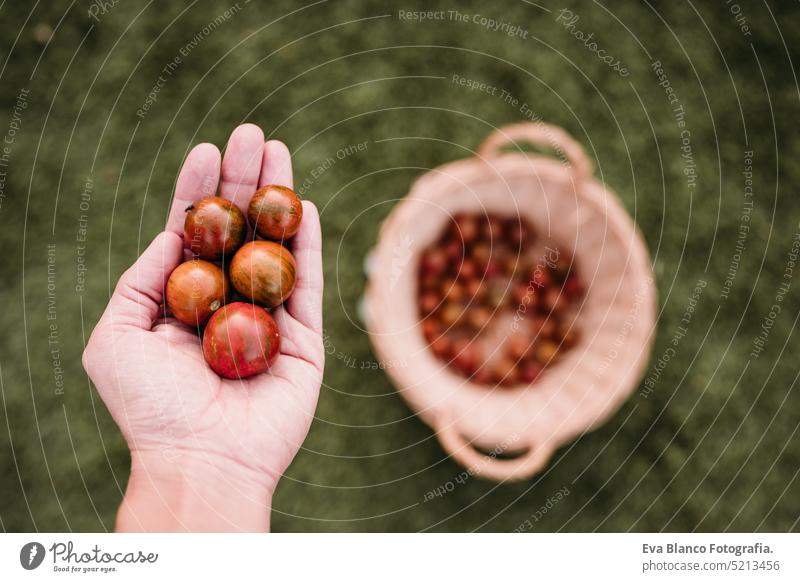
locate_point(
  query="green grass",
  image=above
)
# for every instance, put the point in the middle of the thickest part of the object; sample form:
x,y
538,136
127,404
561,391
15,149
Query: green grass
x,y
714,447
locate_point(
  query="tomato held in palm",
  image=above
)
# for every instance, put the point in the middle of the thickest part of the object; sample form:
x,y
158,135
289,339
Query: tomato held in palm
x,y
264,271
195,290
214,228
275,212
241,340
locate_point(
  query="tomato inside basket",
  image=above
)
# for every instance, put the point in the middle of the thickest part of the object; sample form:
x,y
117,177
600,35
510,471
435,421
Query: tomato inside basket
x,y
498,304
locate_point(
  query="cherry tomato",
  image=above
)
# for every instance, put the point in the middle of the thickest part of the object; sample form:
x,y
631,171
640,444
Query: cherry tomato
x,y
241,340
275,212
214,228
195,290
264,271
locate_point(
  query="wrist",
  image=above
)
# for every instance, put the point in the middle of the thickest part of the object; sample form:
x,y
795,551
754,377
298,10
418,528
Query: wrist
x,y
192,494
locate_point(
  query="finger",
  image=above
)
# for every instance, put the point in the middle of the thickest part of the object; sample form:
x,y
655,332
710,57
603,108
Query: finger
x,y
276,167
241,165
299,341
198,178
305,304
176,333
140,290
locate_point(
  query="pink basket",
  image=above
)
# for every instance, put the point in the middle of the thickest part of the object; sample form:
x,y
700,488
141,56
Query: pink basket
x,y
567,206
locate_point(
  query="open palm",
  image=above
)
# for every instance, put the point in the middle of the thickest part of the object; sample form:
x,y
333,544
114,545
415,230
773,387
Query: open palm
x,y
150,370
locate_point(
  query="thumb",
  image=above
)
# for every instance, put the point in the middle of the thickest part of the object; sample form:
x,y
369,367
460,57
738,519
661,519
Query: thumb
x,y
140,290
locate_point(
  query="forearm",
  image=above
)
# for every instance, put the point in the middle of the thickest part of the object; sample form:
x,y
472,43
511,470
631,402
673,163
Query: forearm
x,y
191,496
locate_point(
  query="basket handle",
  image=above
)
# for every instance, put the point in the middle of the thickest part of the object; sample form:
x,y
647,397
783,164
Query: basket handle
x,y
533,460
541,134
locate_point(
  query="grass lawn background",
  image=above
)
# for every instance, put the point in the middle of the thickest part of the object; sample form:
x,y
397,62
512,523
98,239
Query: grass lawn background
x,y
715,446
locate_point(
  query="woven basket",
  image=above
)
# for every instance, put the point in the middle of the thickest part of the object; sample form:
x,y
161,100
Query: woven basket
x,y
504,433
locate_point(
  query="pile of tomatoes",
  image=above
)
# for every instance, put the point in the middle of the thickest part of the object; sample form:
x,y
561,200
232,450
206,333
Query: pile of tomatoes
x,y
240,338
497,305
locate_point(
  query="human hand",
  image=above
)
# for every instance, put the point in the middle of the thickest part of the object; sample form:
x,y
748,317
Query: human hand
x,y
206,452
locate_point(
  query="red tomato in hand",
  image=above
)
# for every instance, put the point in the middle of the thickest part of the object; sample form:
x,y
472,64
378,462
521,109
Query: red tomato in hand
x,y
214,228
241,340
275,212
195,290
264,271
